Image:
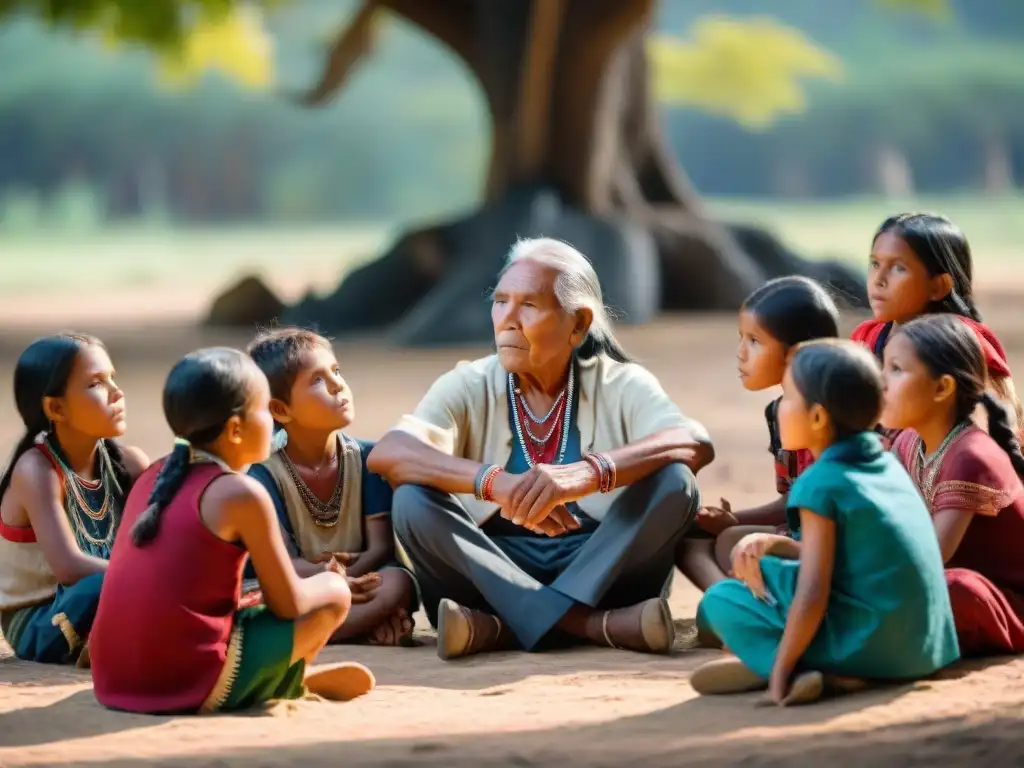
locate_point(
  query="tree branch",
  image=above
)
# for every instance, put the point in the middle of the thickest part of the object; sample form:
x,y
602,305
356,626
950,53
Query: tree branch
x,y
347,51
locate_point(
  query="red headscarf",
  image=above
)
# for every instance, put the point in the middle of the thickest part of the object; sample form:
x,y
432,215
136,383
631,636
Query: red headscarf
x,y
870,332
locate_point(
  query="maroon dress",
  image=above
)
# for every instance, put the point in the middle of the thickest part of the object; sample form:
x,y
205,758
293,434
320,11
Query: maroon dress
x,y
985,575
160,639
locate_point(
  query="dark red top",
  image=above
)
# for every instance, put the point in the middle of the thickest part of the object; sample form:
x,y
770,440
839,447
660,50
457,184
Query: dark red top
x,y
165,614
973,474
874,334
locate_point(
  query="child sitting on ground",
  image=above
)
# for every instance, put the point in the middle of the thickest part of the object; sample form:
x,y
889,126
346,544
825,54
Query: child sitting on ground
x,y
61,496
858,591
169,636
773,320
327,502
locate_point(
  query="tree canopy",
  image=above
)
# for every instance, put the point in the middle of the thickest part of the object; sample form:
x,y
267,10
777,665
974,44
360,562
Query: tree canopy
x,y
409,137
751,70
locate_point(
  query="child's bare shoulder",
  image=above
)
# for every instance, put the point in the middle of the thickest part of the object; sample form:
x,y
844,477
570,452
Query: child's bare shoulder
x,y
135,461
33,469
35,485
233,491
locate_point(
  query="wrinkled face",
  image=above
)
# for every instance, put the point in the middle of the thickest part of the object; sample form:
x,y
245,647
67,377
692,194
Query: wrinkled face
x,y
532,332
796,419
760,357
899,286
320,399
92,403
912,395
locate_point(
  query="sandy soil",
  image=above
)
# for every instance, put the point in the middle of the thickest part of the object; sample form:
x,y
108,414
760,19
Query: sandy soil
x,y
594,707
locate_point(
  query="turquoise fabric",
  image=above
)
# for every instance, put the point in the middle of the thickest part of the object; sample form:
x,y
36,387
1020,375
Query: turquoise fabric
x,y
889,615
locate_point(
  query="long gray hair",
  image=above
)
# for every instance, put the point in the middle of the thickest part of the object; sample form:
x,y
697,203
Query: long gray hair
x,y
576,288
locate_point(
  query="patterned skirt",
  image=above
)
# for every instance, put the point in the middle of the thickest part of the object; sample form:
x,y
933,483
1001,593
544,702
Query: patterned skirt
x,y
259,664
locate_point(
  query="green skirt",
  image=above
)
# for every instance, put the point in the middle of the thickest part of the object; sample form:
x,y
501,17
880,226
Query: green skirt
x,y
54,631
258,667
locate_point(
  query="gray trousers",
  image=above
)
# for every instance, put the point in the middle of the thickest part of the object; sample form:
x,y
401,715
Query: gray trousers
x,y
531,582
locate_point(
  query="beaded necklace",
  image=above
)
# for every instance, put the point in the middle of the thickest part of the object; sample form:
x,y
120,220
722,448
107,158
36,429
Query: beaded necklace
x,y
926,468
93,508
563,410
325,514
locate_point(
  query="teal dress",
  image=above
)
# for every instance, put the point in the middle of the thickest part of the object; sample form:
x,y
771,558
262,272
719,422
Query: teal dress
x,y
889,616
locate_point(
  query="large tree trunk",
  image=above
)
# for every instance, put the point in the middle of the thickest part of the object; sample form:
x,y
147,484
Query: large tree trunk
x,y
577,153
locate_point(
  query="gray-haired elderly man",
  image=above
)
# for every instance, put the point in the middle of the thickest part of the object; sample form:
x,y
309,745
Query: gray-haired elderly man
x,y
541,491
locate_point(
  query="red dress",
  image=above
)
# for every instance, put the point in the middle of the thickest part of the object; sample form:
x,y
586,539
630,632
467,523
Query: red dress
x,y
874,334
986,573
160,638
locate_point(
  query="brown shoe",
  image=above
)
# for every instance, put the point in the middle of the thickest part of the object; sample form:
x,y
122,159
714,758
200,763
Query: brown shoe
x,y
645,627
725,675
463,632
806,688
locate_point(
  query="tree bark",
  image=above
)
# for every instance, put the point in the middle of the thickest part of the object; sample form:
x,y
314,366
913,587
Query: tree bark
x,y
577,152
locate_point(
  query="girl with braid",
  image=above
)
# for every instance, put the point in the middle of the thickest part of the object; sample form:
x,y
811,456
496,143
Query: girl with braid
x,y
936,374
61,496
169,636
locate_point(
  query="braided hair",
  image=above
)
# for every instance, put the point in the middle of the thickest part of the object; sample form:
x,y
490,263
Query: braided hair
x,y
947,347
203,391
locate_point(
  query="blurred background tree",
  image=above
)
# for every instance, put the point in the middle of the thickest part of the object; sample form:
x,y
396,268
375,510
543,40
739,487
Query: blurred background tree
x,y
866,100
411,133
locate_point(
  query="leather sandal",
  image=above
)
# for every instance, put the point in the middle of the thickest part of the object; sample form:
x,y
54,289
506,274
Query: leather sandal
x,y
724,676
645,627
463,632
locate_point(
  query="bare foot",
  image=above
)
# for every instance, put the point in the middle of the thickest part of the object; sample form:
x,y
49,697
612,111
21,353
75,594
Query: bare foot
x,y
340,682
395,630
84,661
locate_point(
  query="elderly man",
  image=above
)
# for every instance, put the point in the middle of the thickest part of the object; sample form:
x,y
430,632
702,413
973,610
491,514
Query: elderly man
x,y
541,491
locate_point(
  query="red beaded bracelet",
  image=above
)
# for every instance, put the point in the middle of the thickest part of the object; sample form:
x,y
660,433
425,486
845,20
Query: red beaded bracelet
x,y
488,482
605,471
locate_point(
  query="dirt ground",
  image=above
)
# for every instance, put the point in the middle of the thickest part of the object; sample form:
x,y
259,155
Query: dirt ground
x,y
590,707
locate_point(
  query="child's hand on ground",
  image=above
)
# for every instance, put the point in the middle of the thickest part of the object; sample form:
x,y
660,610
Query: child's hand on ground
x,y
714,520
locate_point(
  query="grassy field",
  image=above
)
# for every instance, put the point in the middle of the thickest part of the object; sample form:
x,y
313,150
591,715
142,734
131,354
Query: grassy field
x,y
135,257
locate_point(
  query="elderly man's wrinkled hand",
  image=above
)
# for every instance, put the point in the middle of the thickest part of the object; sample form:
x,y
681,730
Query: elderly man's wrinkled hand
x,y
559,521
546,487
